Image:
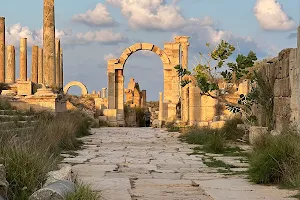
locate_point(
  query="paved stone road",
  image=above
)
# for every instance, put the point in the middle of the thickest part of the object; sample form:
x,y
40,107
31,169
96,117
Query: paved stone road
x,y
150,164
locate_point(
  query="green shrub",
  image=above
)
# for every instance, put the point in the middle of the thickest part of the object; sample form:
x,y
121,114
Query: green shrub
x,y
230,129
213,140
215,143
83,192
276,159
197,135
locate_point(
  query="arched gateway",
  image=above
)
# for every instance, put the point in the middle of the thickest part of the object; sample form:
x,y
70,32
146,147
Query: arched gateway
x,y
173,54
83,88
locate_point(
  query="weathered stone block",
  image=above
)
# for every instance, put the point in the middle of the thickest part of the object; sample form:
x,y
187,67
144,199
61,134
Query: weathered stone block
x,y
103,118
147,46
24,88
65,173
217,125
203,124
136,47
255,132
55,191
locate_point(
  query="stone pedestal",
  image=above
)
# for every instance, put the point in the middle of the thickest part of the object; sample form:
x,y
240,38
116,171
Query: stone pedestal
x,y
45,99
8,93
10,76
111,115
24,88
2,49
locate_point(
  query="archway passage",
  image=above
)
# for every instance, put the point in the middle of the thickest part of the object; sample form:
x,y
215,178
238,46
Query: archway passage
x,y
83,88
174,53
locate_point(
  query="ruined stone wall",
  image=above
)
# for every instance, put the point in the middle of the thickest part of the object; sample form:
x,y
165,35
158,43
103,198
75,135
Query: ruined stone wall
x,y
282,73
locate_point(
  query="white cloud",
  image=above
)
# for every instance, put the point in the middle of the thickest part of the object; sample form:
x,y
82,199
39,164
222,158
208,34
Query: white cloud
x,y
271,16
34,37
109,56
200,35
17,31
155,15
97,17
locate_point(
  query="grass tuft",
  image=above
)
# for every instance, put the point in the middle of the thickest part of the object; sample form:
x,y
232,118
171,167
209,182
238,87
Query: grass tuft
x,y
276,160
83,192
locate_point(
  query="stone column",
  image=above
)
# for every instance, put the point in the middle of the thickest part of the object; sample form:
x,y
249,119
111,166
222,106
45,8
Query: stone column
x,y
10,76
104,93
49,43
119,89
2,49
23,59
57,60
111,90
144,99
161,109
185,104
194,104
40,66
34,65
61,70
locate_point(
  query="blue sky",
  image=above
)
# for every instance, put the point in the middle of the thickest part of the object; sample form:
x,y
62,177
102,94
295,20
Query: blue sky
x,y
259,25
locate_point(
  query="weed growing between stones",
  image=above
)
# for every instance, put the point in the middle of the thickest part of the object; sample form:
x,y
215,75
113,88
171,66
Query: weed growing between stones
x,y
83,192
214,140
212,162
276,160
29,154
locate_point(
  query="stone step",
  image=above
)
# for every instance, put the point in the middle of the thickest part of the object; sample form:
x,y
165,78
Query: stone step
x,y
17,124
12,112
6,118
19,130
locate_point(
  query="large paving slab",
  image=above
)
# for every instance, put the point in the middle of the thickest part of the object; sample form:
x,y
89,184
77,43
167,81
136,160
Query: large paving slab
x,y
146,164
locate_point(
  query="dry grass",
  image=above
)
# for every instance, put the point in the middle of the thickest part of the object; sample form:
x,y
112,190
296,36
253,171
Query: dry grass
x,y
29,155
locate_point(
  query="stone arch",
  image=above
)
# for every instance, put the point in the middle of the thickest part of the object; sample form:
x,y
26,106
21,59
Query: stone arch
x,y
84,90
143,46
173,53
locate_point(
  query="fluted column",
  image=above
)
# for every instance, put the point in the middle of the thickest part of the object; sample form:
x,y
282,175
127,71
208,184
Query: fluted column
x,y
23,59
40,66
57,60
2,49
10,76
49,43
34,65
